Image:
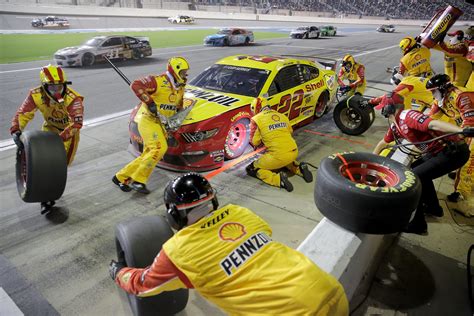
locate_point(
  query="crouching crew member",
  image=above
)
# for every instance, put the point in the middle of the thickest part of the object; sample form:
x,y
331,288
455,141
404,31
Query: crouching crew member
x,y
273,130
227,255
354,73
437,158
62,110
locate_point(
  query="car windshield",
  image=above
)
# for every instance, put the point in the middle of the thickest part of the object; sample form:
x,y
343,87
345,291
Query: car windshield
x,y
232,79
93,42
224,32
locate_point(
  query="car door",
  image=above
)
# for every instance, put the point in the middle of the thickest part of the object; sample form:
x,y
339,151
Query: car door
x,y
236,37
112,47
286,94
312,32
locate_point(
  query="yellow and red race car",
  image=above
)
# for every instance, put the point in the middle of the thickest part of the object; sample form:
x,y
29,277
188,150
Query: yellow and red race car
x,y
217,127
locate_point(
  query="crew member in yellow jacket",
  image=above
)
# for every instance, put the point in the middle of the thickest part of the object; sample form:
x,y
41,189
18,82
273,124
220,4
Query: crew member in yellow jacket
x,y
273,130
161,97
227,255
62,109
354,72
416,59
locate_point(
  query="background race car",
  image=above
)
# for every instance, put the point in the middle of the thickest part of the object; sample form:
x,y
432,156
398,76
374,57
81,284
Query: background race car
x,y
114,47
328,30
386,28
305,32
181,19
50,21
217,126
227,37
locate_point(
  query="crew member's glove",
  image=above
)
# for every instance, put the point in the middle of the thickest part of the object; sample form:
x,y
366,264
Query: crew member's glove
x,y
468,131
16,138
345,89
115,267
153,108
374,101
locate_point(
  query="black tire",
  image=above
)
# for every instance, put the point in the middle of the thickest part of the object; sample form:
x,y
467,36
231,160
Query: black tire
x,y
136,54
237,139
380,200
138,241
321,107
88,60
353,115
41,167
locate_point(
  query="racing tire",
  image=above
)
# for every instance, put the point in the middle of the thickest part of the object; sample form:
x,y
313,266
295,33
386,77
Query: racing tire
x,y
88,60
379,199
41,167
321,107
137,54
138,241
237,139
353,115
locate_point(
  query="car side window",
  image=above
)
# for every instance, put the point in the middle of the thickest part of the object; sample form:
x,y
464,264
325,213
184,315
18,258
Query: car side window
x,y
286,78
114,41
309,73
130,40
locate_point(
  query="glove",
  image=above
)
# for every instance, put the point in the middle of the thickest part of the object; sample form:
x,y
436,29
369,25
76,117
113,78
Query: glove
x,y
153,109
468,131
373,101
115,267
16,138
345,89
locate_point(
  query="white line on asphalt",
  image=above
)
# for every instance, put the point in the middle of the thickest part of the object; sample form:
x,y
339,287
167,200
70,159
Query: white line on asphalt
x,y
319,48
19,70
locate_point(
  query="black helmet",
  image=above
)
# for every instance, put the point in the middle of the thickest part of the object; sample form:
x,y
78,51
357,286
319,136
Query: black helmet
x,y
440,81
185,193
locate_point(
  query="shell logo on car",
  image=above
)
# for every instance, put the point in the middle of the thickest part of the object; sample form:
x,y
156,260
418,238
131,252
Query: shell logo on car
x,y
221,96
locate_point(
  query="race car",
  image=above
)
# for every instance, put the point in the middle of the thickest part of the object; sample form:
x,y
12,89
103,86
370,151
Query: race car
x,y
50,21
305,32
94,50
328,30
386,28
228,37
217,125
181,19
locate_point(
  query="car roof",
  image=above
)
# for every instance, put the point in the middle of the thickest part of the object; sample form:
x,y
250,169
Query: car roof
x,y
246,61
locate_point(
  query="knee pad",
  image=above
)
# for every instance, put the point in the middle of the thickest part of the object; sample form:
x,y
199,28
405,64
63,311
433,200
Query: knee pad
x,y
251,170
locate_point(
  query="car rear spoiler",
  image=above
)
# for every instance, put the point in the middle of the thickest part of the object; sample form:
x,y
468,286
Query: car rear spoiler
x,y
328,63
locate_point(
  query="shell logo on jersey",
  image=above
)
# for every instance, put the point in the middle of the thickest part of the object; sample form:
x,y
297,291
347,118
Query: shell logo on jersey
x,y
232,231
57,114
244,252
276,118
172,97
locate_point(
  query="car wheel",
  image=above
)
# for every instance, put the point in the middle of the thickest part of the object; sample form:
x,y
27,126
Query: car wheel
x,y
237,139
366,193
247,41
353,115
136,54
41,167
138,241
88,60
321,105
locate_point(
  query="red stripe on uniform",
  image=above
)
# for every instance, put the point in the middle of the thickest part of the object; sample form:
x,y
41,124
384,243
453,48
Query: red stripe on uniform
x,y
48,74
60,74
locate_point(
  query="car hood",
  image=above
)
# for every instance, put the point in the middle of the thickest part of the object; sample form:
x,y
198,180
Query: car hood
x,y
216,36
73,49
209,104
298,32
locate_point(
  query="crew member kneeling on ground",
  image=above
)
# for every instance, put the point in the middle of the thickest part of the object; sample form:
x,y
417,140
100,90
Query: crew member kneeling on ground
x,y
457,104
437,158
161,97
273,130
62,110
228,256
354,73
415,60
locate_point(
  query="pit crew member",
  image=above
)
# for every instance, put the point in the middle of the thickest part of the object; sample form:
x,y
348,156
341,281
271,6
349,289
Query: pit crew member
x,y
415,60
161,97
227,255
273,130
62,109
458,104
354,73
456,65
436,158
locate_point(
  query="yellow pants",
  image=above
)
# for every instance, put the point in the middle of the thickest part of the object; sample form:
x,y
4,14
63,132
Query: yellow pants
x,y
360,89
70,145
154,148
271,161
465,175
337,305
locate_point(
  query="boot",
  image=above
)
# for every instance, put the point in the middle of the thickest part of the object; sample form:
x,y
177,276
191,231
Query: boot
x,y
307,175
284,182
124,187
140,187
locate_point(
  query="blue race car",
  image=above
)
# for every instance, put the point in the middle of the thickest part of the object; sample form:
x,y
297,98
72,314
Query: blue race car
x,y
228,37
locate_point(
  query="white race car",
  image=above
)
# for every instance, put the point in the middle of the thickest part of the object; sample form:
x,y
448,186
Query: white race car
x,y
181,19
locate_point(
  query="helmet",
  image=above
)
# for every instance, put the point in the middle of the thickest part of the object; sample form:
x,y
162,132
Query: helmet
x,y
348,62
175,65
406,44
439,82
53,80
183,194
456,37
258,104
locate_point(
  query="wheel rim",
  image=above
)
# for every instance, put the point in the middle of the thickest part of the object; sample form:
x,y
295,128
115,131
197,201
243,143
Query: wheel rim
x,y
369,173
87,60
320,107
236,136
350,118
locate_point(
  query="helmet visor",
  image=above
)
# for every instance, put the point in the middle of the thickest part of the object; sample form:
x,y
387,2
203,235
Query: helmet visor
x,y
55,90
